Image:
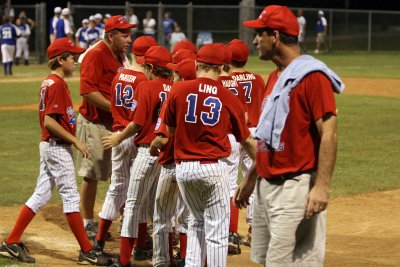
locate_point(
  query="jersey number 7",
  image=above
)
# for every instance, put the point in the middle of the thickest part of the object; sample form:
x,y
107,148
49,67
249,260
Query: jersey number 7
x,y
210,118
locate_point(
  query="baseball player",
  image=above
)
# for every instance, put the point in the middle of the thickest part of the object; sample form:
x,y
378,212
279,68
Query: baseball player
x,y
53,22
57,122
167,189
63,27
92,34
233,159
8,33
254,89
184,44
122,105
98,69
80,34
145,171
22,41
200,113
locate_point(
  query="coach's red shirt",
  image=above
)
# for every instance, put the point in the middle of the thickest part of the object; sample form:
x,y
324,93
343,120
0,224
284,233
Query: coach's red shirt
x,y
122,101
149,100
167,152
254,90
203,112
310,100
98,70
55,99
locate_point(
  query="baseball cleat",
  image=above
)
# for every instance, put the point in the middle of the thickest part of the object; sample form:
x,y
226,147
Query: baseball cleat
x,y
234,244
98,245
91,231
142,254
178,260
246,241
118,264
94,257
17,251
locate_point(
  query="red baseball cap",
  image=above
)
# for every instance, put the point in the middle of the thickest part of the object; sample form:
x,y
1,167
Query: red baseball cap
x,y
118,22
186,68
182,54
239,49
212,54
156,55
184,44
276,17
62,45
142,44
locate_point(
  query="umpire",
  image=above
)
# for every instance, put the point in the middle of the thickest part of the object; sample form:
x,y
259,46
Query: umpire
x,y
99,66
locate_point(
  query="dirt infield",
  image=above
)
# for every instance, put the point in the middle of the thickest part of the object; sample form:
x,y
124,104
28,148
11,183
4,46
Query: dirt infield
x,y
363,231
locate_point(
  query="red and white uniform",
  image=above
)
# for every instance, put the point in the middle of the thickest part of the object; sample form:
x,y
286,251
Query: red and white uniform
x,y
254,89
203,112
56,162
122,156
145,170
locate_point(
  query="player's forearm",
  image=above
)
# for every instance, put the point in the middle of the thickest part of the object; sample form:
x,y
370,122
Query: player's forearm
x,y
98,100
130,130
327,153
55,128
250,146
160,141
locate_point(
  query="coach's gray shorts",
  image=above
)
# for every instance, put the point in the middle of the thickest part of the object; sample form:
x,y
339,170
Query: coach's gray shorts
x,y
281,236
98,165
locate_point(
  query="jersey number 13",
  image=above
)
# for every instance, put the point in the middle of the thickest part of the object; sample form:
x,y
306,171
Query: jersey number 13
x,y
210,118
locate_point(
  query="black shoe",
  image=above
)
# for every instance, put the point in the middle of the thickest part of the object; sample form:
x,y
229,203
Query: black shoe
x,y
91,231
17,251
26,62
94,257
178,260
17,61
99,245
234,244
142,254
118,264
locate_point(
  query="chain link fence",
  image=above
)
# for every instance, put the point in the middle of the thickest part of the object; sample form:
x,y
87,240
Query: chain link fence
x,y
348,30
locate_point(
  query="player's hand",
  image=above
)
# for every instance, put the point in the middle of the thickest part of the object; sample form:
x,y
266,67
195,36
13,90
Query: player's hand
x,y
111,140
317,200
154,150
243,193
83,148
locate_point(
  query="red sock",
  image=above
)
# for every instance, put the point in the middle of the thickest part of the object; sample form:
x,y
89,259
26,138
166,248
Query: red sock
x,y
76,224
171,247
103,229
25,217
182,244
125,250
234,219
142,233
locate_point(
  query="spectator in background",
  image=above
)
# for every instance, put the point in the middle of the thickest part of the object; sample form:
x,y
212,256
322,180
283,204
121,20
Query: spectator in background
x,y
168,26
322,30
99,24
176,37
93,33
22,41
53,23
132,19
149,24
8,34
63,26
302,32
28,20
81,33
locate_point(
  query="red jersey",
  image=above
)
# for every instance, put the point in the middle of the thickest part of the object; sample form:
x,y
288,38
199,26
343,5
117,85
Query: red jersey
x,y
122,102
310,100
167,152
149,100
235,88
55,99
254,89
203,112
98,70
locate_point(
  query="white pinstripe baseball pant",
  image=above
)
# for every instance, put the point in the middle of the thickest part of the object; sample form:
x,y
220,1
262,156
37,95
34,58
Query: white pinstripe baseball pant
x,y
56,168
233,164
144,173
182,213
246,162
205,190
164,209
122,157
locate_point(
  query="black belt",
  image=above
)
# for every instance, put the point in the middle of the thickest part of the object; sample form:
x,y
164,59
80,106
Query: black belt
x,y
280,179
